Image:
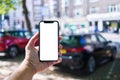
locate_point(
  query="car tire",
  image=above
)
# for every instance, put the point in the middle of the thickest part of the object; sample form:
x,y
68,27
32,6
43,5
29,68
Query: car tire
x,y
113,54
13,51
91,64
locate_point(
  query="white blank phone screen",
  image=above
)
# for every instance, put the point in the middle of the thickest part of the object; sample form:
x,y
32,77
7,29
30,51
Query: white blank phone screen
x,y
48,41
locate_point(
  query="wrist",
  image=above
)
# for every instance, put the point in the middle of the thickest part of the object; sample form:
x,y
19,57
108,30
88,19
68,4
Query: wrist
x,y
29,65
24,72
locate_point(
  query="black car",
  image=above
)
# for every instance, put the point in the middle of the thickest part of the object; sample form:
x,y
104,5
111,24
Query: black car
x,y
86,51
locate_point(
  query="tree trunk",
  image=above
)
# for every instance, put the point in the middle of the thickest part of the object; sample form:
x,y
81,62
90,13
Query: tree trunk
x,y
25,11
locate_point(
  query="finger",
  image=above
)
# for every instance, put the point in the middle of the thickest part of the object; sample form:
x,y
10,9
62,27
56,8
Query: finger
x,y
59,54
37,47
36,42
60,37
59,60
33,39
60,46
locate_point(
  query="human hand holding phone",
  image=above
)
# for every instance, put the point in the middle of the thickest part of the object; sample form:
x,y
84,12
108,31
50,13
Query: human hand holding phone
x,y
33,58
31,64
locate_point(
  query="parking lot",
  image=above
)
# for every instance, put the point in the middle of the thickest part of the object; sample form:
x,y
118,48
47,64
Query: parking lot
x,y
108,71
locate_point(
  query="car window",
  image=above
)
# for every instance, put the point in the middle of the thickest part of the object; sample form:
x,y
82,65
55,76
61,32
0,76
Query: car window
x,y
1,34
19,34
86,39
72,41
28,35
94,39
22,34
101,39
16,33
9,33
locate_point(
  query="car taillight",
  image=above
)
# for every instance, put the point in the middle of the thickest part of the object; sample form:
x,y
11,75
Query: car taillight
x,y
76,50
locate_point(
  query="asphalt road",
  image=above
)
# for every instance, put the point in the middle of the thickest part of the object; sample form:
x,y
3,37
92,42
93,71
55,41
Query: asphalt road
x,y
107,71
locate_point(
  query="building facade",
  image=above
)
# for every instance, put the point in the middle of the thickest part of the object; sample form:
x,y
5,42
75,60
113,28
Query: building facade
x,y
103,14
100,13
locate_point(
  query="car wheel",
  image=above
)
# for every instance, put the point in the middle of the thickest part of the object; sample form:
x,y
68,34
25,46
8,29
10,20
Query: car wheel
x,y
113,54
91,64
13,51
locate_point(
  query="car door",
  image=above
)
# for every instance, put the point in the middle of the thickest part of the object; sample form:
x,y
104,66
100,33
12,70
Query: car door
x,y
21,39
98,47
104,47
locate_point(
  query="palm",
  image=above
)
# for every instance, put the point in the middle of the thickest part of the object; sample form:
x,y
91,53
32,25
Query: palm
x,y
32,55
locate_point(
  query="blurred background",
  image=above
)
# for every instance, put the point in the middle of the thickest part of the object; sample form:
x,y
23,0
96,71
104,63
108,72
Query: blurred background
x,y
19,20
72,14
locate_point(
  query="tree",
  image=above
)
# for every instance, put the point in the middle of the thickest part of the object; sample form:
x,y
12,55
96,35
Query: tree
x,y
25,11
7,5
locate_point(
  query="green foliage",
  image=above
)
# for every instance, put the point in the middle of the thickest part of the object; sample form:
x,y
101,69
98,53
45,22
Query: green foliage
x,y
6,6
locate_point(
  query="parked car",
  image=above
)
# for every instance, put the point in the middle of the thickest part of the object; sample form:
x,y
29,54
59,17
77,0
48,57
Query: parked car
x,y
86,51
12,42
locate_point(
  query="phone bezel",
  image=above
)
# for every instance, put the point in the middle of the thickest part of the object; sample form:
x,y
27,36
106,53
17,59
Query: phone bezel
x,y
57,43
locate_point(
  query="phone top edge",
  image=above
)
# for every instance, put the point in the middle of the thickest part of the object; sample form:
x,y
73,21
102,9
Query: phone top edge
x,y
49,21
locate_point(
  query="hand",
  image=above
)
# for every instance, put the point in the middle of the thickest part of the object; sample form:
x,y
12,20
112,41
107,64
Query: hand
x,y
32,58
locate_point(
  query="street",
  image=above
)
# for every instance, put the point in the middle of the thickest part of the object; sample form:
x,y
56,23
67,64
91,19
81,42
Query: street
x,y
110,71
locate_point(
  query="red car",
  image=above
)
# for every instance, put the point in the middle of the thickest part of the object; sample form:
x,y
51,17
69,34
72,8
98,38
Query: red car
x,y
12,42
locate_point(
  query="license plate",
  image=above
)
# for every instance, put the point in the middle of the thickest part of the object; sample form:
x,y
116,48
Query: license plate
x,y
63,51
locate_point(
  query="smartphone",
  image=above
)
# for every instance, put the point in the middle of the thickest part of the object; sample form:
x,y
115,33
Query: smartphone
x,y
49,32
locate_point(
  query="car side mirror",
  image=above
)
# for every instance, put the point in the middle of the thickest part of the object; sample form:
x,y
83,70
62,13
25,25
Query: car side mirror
x,y
109,41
